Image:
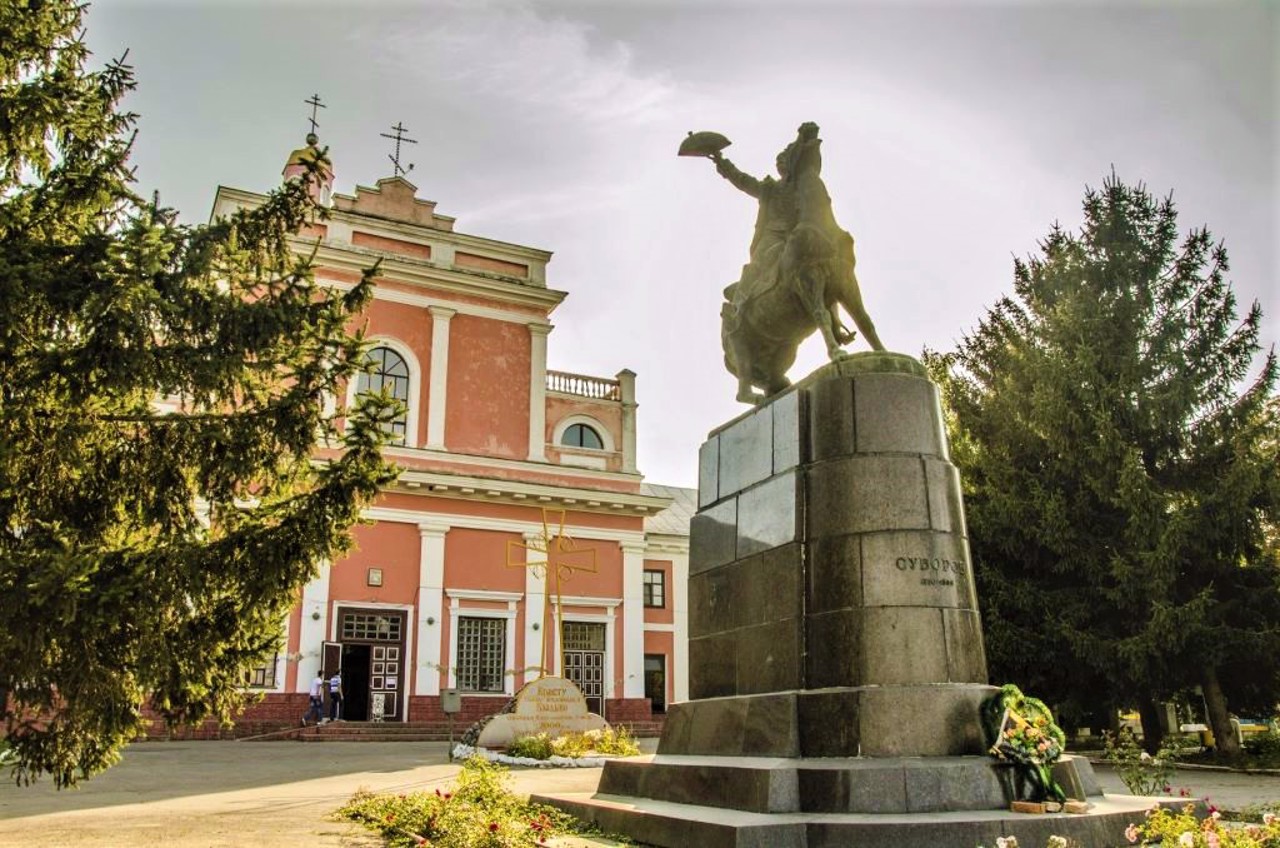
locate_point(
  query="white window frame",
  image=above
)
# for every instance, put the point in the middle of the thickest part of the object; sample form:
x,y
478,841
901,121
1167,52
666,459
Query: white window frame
x,y
606,438
457,610
414,402
608,618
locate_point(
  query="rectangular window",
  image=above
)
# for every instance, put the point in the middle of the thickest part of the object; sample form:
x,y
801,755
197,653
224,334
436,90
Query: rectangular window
x,y
262,676
655,588
482,654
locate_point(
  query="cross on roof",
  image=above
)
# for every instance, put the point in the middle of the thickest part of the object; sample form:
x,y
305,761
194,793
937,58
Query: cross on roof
x,y
561,557
314,103
399,136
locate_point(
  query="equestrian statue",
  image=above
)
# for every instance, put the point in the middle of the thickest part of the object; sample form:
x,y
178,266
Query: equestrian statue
x,y
800,267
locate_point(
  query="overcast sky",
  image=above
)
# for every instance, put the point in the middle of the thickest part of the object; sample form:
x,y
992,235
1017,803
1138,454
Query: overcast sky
x,y
955,135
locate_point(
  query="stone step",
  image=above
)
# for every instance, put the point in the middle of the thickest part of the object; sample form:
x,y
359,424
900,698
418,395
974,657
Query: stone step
x,y
834,785
670,825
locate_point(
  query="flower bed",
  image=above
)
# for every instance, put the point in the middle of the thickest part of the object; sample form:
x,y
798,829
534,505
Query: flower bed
x,y
479,812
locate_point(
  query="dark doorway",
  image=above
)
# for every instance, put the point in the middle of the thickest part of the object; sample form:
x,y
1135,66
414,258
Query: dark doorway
x,y
655,681
355,682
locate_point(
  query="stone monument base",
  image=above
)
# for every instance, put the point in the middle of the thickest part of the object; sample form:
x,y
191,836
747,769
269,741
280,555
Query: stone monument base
x,y
670,824
836,664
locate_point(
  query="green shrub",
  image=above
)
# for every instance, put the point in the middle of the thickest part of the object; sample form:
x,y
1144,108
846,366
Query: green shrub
x,y
572,745
480,812
1142,773
1263,746
610,742
618,742
536,747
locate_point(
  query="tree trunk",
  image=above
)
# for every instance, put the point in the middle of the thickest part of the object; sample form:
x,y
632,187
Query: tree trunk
x,y
1224,735
1152,732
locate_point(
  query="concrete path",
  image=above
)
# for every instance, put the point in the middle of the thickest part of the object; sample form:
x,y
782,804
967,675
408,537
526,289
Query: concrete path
x,y
215,794
237,794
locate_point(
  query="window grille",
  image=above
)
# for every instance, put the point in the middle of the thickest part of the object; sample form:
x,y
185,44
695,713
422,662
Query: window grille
x,y
388,371
655,588
371,626
583,636
482,654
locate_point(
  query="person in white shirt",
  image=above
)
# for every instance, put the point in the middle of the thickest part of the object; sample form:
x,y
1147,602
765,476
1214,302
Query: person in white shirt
x,y
317,700
335,696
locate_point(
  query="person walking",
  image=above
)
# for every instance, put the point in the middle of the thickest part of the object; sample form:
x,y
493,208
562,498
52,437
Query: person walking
x,y
335,696
316,708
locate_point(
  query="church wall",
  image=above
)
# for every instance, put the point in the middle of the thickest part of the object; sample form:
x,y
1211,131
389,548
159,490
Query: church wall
x,y
411,327
488,388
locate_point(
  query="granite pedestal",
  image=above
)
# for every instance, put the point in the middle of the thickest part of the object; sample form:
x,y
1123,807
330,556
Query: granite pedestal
x,y
836,664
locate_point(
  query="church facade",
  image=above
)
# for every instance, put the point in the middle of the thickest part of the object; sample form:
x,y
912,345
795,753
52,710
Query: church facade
x,y
504,464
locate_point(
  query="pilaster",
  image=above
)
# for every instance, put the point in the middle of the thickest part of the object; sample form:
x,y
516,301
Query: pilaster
x,y
536,629
430,612
680,611
538,391
632,620
627,385
314,629
437,387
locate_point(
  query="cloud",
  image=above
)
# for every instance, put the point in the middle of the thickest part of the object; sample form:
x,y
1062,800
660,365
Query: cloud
x,y
513,58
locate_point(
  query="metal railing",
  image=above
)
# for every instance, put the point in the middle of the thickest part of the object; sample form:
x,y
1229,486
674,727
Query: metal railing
x,y
581,385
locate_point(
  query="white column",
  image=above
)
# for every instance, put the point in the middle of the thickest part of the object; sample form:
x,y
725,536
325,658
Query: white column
x,y
314,629
437,386
535,614
627,384
632,620
426,680
538,391
680,639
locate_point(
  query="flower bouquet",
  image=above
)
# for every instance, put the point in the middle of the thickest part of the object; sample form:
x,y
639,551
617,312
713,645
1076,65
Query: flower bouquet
x,y
1020,730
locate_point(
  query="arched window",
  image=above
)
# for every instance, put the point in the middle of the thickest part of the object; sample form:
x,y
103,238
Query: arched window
x,y
388,371
582,436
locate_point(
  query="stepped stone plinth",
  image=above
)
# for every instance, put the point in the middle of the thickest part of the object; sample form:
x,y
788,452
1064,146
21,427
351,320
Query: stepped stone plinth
x,y
835,649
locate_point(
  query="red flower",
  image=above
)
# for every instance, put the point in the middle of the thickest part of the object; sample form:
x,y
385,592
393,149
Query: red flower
x,y
493,827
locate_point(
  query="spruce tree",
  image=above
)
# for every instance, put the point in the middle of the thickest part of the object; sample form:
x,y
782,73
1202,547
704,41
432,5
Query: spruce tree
x,y
162,390
1119,458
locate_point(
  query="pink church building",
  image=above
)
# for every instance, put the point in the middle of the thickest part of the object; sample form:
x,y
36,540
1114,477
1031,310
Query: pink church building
x,y
435,594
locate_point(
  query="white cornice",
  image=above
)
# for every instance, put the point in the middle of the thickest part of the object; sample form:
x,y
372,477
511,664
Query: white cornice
x,y
489,489
502,525
585,601
515,290
423,272
662,543
487,463
427,302
420,232
483,595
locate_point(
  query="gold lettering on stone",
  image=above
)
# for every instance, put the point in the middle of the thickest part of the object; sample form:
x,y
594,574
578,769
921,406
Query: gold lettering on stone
x,y
551,705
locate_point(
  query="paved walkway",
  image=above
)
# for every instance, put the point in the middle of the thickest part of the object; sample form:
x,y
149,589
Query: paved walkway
x,y
218,794
215,794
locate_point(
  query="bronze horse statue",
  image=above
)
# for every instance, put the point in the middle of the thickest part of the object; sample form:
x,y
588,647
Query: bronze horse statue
x,y
801,269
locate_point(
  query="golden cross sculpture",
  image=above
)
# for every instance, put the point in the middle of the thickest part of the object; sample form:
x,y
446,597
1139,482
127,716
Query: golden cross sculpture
x,y
560,558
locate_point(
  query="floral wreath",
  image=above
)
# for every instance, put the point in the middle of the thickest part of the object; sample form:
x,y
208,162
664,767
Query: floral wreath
x,y
1021,730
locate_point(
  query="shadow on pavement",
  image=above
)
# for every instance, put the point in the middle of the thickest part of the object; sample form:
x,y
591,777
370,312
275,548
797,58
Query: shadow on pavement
x,y
155,771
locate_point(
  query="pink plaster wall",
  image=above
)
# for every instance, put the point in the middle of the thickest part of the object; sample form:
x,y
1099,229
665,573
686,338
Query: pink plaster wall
x,y
488,410
665,614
